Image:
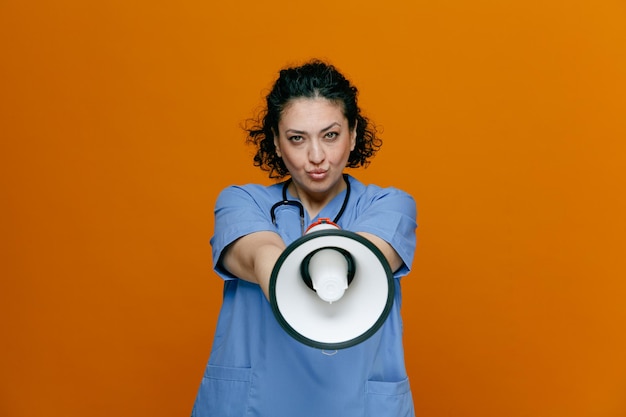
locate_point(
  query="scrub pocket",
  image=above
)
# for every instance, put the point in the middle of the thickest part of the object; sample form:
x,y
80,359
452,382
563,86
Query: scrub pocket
x,y
224,392
389,399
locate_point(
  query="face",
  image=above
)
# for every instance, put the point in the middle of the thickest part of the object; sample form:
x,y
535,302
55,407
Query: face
x,y
314,141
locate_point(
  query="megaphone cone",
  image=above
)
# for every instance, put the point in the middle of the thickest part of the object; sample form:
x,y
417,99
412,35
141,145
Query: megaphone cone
x,y
331,289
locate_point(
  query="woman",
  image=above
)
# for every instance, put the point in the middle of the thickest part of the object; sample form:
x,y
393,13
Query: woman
x,y
311,130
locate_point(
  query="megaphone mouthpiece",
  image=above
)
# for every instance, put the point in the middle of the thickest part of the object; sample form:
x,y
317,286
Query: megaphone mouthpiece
x,y
328,271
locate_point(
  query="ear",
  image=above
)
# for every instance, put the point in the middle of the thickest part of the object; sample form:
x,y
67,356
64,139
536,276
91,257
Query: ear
x,y
353,136
276,144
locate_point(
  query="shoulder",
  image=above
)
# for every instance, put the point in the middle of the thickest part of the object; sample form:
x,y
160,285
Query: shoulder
x,y
249,189
372,194
247,193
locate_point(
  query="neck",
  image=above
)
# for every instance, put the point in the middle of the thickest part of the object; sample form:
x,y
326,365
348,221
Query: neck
x,y
313,203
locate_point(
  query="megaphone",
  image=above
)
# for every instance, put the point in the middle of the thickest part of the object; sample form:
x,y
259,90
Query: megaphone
x,y
331,288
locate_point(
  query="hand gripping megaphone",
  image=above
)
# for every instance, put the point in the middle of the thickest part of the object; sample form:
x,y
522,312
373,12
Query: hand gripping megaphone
x,y
331,288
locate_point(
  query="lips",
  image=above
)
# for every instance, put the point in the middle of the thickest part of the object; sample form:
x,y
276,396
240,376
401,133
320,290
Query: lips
x,y
317,175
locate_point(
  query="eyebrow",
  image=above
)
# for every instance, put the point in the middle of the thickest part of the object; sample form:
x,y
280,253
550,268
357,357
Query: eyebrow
x,y
302,132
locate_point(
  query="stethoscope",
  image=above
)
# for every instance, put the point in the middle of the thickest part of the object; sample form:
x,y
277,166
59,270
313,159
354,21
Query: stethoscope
x,y
286,202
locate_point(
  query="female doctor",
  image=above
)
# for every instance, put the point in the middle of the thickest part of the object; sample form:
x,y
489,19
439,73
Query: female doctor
x,y
310,131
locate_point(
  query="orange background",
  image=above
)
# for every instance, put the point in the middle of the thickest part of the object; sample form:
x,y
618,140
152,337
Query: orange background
x,y
120,123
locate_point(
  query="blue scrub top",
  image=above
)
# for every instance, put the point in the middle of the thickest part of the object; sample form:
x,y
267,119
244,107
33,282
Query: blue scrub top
x,y
256,368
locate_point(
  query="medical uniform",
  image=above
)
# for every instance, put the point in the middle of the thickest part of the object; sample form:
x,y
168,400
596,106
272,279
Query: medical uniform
x,y
255,368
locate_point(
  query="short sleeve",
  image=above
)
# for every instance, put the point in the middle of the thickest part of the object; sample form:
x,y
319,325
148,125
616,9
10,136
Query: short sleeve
x,y
238,212
390,214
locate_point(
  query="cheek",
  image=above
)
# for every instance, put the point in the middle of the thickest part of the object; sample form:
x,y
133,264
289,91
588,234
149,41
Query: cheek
x,y
291,159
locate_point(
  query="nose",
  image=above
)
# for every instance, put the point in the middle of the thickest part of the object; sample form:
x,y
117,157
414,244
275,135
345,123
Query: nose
x,y
316,152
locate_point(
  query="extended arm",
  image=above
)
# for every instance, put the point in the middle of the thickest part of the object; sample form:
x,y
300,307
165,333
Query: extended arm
x,y
252,257
389,222
395,262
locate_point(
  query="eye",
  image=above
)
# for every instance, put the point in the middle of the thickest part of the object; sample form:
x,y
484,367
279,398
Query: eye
x,y
295,138
331,135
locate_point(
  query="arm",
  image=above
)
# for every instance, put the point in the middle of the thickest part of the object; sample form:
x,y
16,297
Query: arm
x,y
252,257
387,218
392,257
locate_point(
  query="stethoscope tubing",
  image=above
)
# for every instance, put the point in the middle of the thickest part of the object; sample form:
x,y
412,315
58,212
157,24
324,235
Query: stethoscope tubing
x,y
295,203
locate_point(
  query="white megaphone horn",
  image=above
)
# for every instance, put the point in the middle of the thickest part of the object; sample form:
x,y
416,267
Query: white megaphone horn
x,y
331,289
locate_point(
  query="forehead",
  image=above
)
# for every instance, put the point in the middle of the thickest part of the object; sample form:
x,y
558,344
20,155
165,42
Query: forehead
x,y
305,109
